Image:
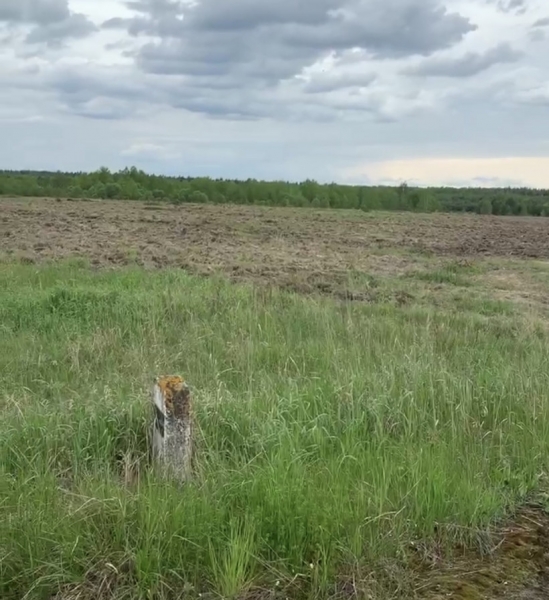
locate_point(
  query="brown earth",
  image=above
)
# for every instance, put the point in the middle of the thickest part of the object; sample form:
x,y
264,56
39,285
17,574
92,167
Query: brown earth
x,y
305,250
511,563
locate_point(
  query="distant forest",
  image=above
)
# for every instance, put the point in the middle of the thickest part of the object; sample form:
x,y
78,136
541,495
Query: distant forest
x,y
134,184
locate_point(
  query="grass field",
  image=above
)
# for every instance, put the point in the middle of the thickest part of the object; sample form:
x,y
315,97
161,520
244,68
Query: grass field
x,y
379,448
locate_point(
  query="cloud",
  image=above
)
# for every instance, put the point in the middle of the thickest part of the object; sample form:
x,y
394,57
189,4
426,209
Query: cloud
x,y
51,21
330,82
102,108
74,26
256,50
518,171
149,150
37,12
538,95
516,6
288,89
467,65
273,41
537,35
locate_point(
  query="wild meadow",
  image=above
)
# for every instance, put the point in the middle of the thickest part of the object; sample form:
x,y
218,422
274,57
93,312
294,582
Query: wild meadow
x,y
331,436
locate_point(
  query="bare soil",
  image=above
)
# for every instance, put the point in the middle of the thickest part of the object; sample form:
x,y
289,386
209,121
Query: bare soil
x,y
305,250
514,564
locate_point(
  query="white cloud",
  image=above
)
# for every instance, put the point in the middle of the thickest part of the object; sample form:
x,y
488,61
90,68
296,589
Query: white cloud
x,y
146,150
531,171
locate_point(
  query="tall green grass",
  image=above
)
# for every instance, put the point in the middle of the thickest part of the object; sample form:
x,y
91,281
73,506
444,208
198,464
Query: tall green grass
x,y
330,435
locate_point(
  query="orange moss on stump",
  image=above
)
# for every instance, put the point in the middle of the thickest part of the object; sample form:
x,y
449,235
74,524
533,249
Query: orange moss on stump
x,y
176,395
170,385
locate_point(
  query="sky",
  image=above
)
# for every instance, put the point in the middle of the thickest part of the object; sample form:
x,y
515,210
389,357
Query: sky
x,y
431,92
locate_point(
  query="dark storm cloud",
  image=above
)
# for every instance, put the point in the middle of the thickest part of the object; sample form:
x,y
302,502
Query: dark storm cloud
x,y
52,21
467,65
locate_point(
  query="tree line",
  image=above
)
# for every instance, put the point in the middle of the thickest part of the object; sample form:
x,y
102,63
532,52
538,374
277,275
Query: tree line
x,y
134,184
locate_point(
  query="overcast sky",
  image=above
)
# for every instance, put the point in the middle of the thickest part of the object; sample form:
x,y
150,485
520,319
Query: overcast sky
x,y
452,92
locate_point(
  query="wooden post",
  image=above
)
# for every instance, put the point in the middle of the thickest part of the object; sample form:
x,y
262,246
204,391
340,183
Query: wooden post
x,y
172,431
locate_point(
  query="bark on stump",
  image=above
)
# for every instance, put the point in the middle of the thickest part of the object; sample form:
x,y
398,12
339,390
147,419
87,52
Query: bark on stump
x,y
173,431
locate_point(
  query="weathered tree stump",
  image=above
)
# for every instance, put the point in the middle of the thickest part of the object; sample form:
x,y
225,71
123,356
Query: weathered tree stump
x,y
173,428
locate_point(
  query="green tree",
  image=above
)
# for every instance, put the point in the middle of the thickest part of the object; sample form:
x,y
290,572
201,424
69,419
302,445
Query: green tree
x,y
198,197
296,199
310,189
414,198
427,202
103,175
129,189
218,198
485,207
97,191
402,192
182,195
112,190
75,192
324,201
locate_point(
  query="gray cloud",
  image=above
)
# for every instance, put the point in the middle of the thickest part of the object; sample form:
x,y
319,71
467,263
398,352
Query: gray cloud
x,y
247,36
541,22
536,35
99,93
467,65
517,6
256,46
40,12
52,21
95,92
75,26
102,108
331,82
249,14
121,92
